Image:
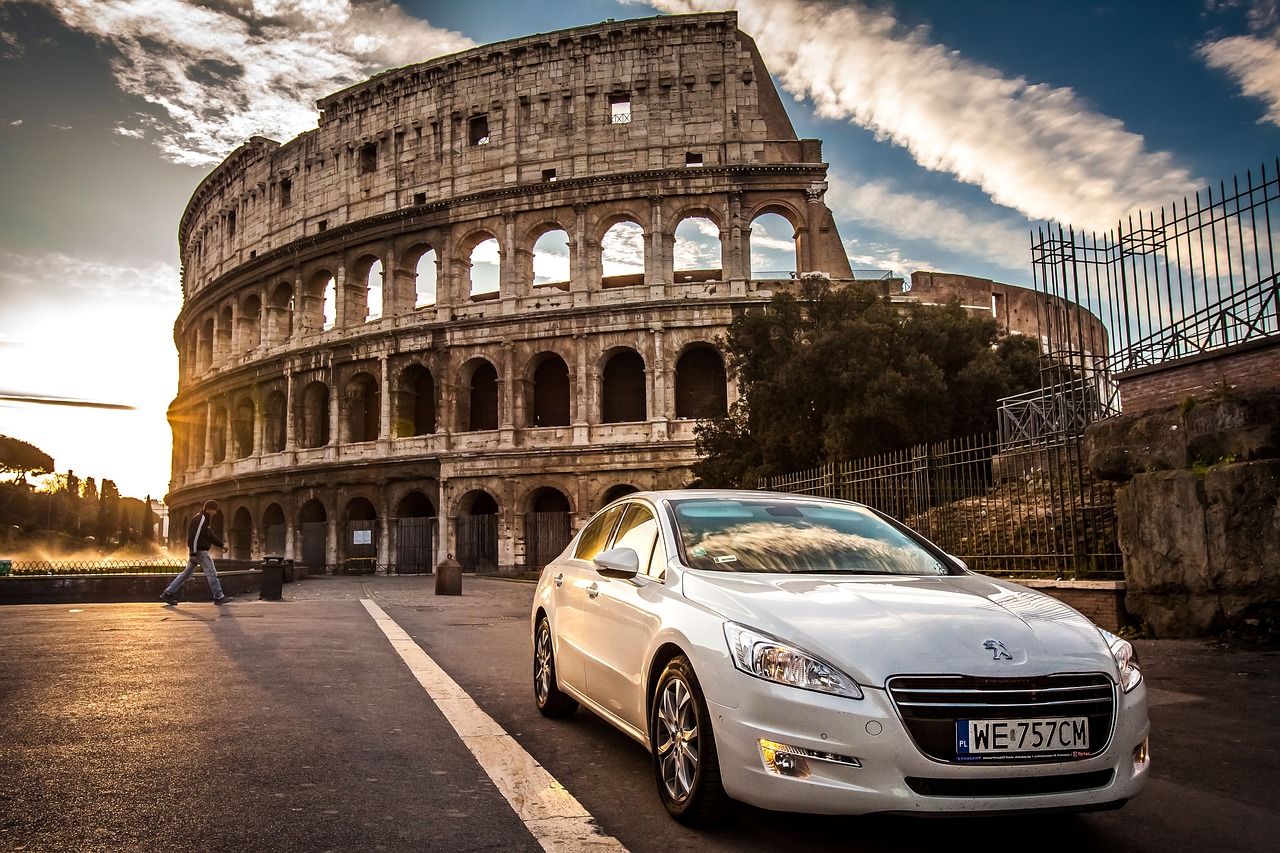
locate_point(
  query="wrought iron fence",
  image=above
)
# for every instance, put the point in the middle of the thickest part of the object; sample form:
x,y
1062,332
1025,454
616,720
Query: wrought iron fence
x,y
1168,284
158,566
1033,511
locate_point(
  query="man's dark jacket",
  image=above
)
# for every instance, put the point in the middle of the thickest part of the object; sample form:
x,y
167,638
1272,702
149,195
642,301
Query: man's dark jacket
x,y
200,536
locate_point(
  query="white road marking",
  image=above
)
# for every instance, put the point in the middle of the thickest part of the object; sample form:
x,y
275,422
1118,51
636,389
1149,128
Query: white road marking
x,y
556,819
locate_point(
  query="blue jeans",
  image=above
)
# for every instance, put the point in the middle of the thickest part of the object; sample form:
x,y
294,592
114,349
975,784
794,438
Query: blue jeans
x,y
210,574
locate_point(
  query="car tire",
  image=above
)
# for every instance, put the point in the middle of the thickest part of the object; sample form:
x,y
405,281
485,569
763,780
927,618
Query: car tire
x,y
546,691
686,765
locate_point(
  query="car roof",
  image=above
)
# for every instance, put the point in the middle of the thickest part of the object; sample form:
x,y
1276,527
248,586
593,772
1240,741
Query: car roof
x,y
729,494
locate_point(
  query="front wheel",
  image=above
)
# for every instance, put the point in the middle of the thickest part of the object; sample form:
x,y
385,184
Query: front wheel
x,y
685,764
546,692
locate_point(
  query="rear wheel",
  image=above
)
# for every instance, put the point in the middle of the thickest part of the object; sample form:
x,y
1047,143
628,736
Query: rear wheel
x,y
546,692
685,764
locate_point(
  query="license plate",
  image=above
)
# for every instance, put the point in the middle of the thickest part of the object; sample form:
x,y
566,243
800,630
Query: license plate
x,y
976,739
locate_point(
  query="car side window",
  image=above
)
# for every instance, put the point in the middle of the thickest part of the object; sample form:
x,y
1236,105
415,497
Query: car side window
x,y
639,532
596,534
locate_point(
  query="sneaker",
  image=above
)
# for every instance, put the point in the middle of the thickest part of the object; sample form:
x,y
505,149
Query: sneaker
x,y
168,598
222,599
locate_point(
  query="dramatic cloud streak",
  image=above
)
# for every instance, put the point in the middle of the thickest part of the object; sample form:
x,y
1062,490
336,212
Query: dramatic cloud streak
x,y
1252,60
1035,148
221,71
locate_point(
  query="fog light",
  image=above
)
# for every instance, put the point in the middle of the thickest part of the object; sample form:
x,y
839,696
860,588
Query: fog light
x,y
1141,754
793,761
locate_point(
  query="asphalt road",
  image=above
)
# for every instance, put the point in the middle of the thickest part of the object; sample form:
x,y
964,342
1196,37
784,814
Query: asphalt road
x,y
295,725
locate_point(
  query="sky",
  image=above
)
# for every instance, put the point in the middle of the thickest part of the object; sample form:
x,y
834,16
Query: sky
x,y
952,129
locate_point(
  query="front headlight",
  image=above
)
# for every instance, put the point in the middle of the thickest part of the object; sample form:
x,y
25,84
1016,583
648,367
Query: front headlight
x,y
773,660
1126,659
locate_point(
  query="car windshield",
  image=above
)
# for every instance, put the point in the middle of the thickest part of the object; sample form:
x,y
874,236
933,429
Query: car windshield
x,y
795,537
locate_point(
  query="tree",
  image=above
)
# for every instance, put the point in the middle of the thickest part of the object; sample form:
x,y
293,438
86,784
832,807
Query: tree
x,y
147,522
22,459
839,373
108,511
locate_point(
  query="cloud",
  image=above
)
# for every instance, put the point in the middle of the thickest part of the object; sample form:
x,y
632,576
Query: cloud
x,y
221,71
52,277
1038,149
1252,60
909,216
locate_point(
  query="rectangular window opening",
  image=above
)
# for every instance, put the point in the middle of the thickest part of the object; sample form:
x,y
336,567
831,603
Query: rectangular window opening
x,y
368,158
620,109
286,192
478,130
231,224
548,175
419,198
692,159
322,225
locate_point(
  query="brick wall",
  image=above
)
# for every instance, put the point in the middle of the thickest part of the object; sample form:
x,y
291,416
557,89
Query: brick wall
x,y
1100,601
1247,369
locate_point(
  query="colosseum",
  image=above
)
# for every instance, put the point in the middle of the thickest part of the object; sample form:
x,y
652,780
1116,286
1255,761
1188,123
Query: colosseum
x,y
380,366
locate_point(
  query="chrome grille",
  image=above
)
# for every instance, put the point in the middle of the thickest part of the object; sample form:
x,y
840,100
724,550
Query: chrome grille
x,y
930,706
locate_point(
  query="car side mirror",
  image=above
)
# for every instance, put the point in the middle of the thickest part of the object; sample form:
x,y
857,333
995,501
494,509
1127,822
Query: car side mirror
x,y
623,563
959,562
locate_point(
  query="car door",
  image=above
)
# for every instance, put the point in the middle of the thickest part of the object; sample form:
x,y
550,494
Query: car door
x,y
571,575
622,616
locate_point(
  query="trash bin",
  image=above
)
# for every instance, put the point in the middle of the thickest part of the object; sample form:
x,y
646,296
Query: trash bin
x,y
449,577
273,569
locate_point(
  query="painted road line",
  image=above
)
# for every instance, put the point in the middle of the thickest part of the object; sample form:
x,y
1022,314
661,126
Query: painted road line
x,y
556,819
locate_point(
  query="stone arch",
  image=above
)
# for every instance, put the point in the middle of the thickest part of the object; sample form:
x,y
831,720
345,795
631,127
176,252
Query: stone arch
x,y
478,404
548,397
240,536
218,434
274,423
360,540
280,313
242,424
550,257
702,384
614,492
206,344
773,250
623,252
316,405
623,395
361,407
424,260
249,326
697,252
481,252
415,410
274,530
226,328
476,522
547,527
415,533
319,301
313,532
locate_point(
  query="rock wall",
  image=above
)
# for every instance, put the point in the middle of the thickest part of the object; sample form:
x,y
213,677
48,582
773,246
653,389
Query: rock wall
x,y
1198,514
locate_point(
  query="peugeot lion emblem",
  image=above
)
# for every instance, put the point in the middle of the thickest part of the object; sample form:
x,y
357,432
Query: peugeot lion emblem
x,y
998,651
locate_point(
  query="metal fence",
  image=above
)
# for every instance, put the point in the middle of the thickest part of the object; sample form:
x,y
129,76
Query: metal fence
x,y
1032,511
1168,284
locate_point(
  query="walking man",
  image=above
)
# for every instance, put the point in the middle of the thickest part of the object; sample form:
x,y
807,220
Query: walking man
x,y
200,536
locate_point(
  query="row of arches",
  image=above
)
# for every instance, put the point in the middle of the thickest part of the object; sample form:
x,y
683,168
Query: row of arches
x,y
550,393
413,537
485,264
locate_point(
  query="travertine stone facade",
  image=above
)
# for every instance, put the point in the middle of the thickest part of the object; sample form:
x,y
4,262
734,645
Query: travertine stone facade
x,y
463,419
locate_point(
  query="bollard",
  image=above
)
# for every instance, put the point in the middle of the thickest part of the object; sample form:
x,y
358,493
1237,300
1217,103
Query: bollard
x,y
449,577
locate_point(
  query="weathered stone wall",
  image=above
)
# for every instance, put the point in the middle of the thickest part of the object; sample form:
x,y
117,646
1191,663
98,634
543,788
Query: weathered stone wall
x,y
1199,512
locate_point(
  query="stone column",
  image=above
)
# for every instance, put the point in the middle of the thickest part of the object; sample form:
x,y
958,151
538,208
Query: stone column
x,y
384,402
658,262
290,442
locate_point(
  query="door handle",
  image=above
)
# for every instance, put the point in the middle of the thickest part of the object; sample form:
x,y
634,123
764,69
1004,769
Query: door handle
x,y
560,579
593,591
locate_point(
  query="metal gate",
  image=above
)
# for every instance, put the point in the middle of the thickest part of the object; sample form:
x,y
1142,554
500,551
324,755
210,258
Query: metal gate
x,y
414,545
547,534
275,539
362,547
313,545
478,543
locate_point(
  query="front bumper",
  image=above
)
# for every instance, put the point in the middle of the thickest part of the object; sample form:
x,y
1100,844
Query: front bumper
x,y
894,775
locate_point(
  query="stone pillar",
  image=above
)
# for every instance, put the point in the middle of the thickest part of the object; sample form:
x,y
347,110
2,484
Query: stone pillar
x,y
510,285
290,442
658,263
735,248
384,401
584,259
506,395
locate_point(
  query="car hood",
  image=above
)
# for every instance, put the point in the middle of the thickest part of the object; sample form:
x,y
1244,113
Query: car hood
x,y
874,627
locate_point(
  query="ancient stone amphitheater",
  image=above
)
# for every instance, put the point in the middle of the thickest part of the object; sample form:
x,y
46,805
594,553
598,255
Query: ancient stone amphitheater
x,y
373,372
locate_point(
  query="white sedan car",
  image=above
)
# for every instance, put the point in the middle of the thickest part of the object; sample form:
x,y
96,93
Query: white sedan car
x,y
812,655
